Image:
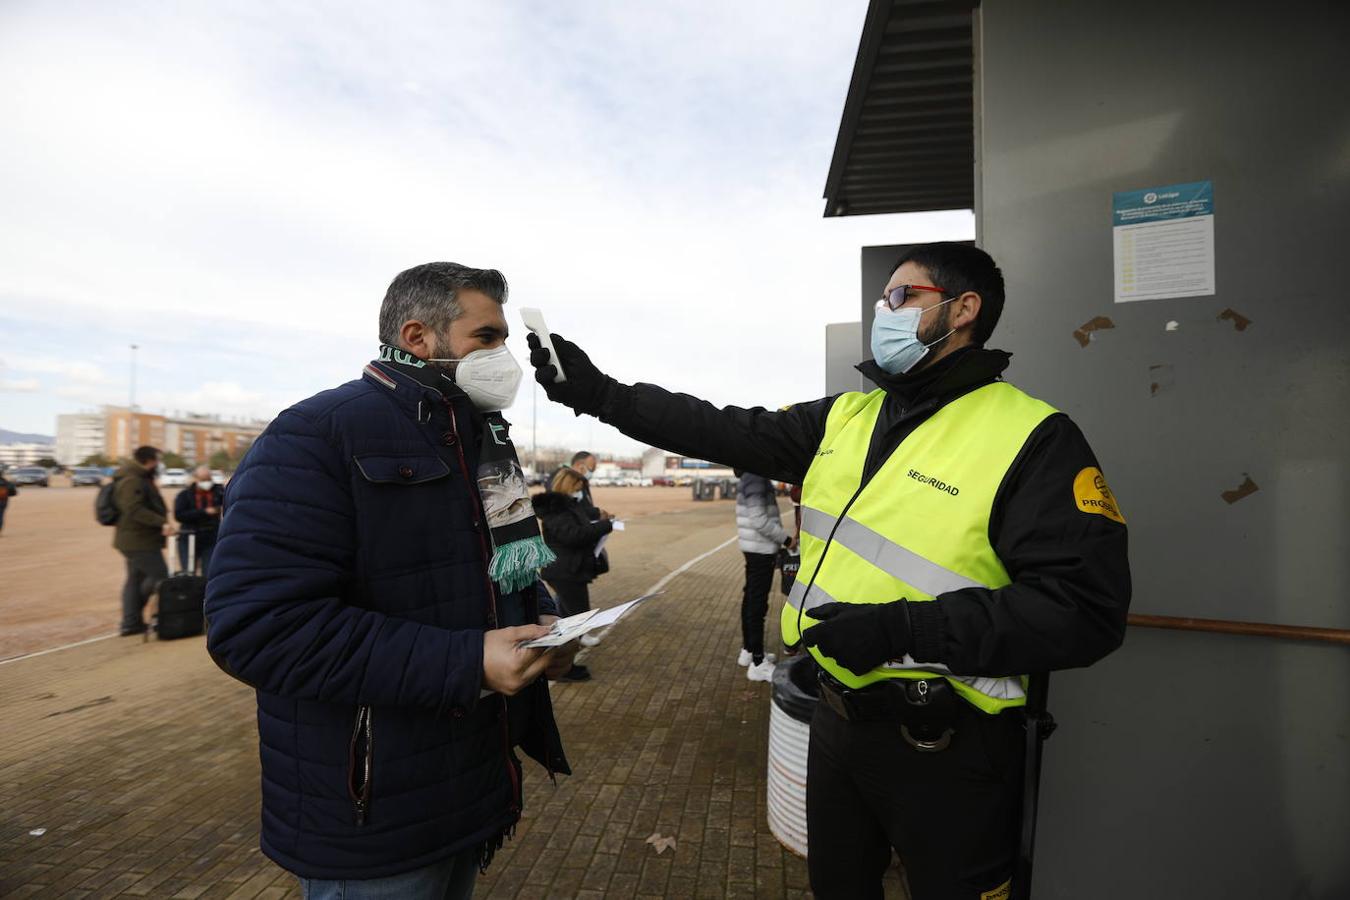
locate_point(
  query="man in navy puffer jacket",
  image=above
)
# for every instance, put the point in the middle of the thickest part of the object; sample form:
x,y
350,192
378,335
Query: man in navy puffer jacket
x,y
350,587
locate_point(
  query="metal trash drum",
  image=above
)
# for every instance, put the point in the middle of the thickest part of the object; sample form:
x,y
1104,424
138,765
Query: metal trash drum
x,y
794,697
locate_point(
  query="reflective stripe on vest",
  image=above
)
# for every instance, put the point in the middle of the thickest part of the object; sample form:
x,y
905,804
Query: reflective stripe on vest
x,y
918,529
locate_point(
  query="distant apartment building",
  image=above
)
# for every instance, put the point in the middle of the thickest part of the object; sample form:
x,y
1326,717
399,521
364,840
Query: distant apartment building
x,y
23,454
126,429
117,431
79,436
197,438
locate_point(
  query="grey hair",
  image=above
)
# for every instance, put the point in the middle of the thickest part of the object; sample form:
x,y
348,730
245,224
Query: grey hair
x,y
429,293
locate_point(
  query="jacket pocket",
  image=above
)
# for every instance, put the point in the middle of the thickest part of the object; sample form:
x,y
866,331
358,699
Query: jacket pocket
x,y
360,766
381,469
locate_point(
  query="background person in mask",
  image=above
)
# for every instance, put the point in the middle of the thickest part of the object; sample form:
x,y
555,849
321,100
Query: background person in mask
x,y
373,580
584,464
956,533
197,510
139,535
572,531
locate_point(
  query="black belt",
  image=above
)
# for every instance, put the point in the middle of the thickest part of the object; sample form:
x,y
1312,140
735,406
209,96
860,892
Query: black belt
x,y
925,708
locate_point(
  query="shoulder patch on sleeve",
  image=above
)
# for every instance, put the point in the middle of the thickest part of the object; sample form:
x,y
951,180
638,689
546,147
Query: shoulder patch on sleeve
x,y
1092,495
1002,892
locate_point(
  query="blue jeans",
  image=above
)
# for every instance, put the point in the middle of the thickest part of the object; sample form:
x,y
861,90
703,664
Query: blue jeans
x,y
449,879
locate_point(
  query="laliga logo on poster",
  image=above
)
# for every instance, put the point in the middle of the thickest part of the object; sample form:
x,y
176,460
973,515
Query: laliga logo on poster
x,y
1150,197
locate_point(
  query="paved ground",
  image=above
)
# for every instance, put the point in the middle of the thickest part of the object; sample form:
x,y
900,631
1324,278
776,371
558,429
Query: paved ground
x,y
62,578
140,760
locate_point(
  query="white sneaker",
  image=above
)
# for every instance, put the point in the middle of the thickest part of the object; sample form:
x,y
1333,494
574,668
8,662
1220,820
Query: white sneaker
x,y
592,638
760,672
746,657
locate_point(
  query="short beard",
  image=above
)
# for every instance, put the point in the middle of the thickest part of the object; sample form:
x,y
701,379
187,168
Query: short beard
x,y
937,331
442,349
445,368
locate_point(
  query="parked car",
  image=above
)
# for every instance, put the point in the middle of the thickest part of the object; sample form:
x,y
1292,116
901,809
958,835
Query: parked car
x,y
86,475
28,475
217,476
174,478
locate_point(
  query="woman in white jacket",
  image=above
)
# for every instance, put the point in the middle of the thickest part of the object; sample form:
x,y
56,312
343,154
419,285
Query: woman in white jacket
x,y
759,526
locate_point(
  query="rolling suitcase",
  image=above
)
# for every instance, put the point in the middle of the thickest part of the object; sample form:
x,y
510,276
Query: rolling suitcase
x,y
181,598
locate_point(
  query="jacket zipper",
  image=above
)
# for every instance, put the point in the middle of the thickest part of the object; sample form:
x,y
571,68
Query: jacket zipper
x,y
492,605
362,758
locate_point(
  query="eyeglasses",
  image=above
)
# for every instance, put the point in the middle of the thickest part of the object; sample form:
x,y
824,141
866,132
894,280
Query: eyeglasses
x,y
896,297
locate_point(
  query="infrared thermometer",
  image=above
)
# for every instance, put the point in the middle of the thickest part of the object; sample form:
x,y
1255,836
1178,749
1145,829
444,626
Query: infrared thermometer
x,y
534,320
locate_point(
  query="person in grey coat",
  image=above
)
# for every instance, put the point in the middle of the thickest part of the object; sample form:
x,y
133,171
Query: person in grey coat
x,y
759,528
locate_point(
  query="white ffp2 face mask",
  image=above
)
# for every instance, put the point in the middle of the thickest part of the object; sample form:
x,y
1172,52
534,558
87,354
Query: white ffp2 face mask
x,y
490,378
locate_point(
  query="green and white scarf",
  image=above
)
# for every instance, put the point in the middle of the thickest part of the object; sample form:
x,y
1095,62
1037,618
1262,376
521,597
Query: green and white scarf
x,y
518,550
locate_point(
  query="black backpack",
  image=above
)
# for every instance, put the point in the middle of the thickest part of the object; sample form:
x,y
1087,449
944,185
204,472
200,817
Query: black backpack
x,y
105,508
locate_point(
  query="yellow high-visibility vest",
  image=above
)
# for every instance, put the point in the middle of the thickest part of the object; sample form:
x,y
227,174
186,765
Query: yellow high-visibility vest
x,y
919,528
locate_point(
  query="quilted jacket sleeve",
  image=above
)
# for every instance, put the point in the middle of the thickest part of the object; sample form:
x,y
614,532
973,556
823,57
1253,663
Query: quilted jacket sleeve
x,y
760,508
276,617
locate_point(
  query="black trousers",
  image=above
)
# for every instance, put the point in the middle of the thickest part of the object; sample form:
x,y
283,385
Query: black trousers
x,y
952,816
573,597
145,570
203,545
759,570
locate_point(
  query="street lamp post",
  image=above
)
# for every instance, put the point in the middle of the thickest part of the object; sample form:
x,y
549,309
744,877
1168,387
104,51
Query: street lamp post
x,y
131,405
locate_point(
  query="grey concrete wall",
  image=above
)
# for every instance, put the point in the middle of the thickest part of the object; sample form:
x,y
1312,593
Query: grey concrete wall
x,y
1190,765
841,355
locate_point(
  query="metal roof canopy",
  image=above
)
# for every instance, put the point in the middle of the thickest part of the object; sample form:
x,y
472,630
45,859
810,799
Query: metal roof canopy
x,y
907,137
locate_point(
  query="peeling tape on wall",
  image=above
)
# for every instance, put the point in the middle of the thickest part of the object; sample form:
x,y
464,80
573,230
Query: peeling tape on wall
x,y
1240,322
1084,333
1246,489
1161,378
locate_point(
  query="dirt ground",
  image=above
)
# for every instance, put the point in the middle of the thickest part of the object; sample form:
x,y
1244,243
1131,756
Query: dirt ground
x,y
61,580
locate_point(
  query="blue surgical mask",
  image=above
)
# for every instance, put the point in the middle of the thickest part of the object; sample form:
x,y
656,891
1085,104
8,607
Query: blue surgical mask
x,y
895,338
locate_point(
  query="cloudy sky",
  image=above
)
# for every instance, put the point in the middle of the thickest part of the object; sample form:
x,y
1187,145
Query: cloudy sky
x,y
232,186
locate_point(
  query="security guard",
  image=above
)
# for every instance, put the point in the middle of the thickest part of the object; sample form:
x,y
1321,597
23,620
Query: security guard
x,y
956,535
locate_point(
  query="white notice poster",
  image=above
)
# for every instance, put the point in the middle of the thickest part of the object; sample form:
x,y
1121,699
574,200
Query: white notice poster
x,y
1164,242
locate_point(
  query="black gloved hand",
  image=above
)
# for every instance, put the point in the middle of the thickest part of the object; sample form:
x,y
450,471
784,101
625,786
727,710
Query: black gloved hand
x,y
586,386
860,637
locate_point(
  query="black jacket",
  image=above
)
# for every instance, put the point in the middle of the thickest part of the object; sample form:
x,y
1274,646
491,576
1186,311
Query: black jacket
x,y
572,534
1070,587
192,515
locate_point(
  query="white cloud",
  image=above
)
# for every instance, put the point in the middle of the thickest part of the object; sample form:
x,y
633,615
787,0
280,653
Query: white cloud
x,y
73,369
225,398
20,386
